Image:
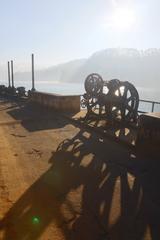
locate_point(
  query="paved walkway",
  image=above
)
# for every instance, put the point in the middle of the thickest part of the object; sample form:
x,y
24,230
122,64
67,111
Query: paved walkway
x,y
59,181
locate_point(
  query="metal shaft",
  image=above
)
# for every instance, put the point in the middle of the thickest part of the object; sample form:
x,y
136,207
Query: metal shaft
x,y
12,75
33,83
9,79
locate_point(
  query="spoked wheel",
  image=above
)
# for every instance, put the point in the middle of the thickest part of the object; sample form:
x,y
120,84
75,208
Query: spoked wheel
x,y
123,103
94,107
94,84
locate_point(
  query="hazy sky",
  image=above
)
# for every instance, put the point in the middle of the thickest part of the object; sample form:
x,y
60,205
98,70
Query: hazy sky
x,y
58,31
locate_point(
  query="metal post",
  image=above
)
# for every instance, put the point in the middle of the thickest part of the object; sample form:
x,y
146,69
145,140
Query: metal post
x,y
33,85
153,106
12,75
9,79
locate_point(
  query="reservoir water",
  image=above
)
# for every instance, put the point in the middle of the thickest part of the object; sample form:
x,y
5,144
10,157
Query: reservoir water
x,y
78,89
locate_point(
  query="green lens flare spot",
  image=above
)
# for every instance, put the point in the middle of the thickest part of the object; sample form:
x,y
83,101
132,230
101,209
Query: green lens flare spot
x,y
35,220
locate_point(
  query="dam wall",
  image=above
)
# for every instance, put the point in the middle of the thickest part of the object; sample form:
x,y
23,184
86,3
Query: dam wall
x,y
62,103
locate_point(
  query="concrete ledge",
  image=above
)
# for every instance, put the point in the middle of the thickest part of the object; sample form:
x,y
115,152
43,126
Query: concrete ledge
x,y
62,103
149,132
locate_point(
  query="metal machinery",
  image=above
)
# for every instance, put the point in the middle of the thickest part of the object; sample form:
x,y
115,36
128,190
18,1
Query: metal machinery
x,y
12,91
113,100
2,89
21,92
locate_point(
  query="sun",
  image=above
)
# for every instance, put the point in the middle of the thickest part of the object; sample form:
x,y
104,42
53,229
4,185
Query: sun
x,y
123,18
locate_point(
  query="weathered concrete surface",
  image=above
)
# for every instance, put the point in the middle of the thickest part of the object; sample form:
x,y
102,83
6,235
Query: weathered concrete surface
x,y
150,127
77,184
62,103
149,132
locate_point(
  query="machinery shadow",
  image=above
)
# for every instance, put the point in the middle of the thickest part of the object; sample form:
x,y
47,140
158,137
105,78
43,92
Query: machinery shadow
x,y
117,131
95,190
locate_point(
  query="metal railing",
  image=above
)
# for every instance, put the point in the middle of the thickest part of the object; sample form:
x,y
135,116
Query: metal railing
x,y
152,103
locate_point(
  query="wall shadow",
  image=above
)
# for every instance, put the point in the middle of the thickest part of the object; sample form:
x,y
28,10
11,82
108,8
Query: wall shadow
x,y
36,118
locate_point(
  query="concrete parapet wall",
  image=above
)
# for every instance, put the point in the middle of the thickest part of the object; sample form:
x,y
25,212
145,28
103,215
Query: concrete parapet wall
x,y
149,133
62,103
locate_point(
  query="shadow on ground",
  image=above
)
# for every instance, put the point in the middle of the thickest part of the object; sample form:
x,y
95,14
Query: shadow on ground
x,y
117,131
36,118
95,190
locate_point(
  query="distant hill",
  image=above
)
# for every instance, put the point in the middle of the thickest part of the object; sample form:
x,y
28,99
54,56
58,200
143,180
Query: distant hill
x,y
140,67
60,73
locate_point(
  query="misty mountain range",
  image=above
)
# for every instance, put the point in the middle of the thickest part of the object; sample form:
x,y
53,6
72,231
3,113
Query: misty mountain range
x,y
142,68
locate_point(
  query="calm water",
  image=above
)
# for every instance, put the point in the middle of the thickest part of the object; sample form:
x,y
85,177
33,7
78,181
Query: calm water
x,y
77,88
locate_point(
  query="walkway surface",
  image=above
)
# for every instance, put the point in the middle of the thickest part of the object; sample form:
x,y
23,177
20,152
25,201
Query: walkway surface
x,y
59,181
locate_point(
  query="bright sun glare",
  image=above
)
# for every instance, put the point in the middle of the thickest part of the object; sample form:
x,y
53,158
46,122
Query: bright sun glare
x,y
122,18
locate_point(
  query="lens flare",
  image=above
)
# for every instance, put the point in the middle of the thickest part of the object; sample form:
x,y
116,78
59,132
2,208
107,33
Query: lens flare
x,y
35,220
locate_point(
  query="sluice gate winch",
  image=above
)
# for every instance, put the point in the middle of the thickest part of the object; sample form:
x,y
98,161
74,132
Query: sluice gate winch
x,y
114,99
